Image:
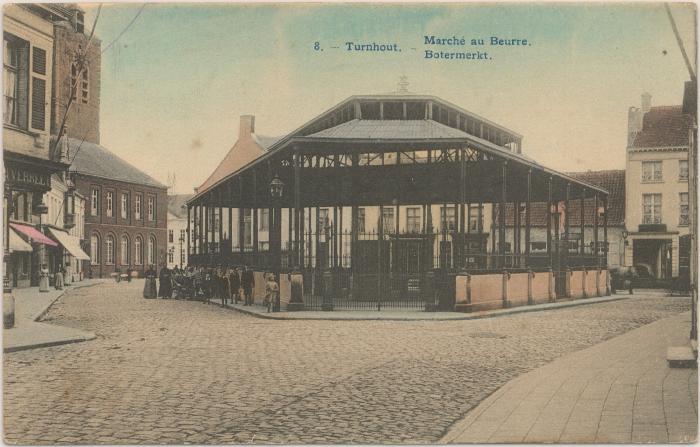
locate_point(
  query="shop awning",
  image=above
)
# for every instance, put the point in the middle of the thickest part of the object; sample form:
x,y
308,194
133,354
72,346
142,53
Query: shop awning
x,y
33,234
70,243
17,243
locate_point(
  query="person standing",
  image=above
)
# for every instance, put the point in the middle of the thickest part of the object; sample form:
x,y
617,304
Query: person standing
x,y
149,287
166,283
234,281
58,278
630,278
248,282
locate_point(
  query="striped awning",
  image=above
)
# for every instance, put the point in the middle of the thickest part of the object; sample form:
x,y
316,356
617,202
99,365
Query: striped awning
x,y
33,234
70,243
17,243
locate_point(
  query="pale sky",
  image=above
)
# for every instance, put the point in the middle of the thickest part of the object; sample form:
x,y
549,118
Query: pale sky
x,y
175,83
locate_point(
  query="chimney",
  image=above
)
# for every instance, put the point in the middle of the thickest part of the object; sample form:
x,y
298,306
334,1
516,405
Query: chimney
x,y
646,102
247,126
196,189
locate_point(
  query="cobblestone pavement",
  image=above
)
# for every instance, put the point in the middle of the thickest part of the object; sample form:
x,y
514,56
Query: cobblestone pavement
x,y
186,372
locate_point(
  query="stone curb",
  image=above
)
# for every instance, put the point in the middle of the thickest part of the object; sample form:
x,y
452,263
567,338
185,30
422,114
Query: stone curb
x,y
43,313
86,337
487,314
67,341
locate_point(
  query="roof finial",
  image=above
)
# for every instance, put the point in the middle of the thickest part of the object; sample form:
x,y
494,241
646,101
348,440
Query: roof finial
x,y
403,84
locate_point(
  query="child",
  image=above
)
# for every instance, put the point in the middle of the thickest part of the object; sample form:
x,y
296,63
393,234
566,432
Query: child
x,y
271,291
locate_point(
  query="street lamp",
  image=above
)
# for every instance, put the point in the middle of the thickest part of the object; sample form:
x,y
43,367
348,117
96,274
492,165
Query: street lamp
x,y
276,192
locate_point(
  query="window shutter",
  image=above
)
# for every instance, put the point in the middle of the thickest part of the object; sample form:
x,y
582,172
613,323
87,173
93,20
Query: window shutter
x,y
38,61
23,86
38,103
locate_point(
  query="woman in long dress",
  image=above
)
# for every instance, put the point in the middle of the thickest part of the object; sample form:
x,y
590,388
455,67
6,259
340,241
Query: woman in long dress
x,y
166,283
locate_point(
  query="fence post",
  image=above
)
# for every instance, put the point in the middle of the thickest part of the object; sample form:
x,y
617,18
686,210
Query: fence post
x,y
327,304
469,288
597,281
530,276
504,289
567,285
430,291
584,281
552,296
296,300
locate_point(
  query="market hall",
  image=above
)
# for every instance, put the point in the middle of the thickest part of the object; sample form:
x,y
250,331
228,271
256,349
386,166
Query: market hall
x,y
396,201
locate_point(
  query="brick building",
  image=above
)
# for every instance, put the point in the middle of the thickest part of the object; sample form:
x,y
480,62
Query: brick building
x,y
126,211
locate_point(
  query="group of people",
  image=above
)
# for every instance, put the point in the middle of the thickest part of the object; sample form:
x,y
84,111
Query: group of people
x,y
227,284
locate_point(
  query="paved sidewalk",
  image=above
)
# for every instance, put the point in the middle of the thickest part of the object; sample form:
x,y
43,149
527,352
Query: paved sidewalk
x,y
388,314
618,391
30,306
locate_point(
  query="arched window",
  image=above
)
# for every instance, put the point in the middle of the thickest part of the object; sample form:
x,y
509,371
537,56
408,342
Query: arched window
x,y
152,250
109,250
125,249
94,249
138,251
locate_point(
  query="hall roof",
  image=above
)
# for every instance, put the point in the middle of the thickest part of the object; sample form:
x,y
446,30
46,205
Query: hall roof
x,y
98,161
612,181
390,129
664,127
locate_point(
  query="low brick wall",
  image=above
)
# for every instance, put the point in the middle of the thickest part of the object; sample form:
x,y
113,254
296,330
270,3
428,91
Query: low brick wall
x,y
576,278
591,289
285,290
486,292
517,289
259,289
541,287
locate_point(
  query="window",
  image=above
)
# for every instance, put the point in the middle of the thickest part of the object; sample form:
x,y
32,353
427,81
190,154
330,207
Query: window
x,y
652,208
474,223
125,250
109,250
94,250
506,245
137,208
360,220
84,86
683,170
685,210
538,246
170,236
388,219
248,228
79,81
447,218
183,235
125,205
151,208
413,220
138,251
170,256
182,256
95,202
110,200
12,56
264,219
652,171
323,221
152,250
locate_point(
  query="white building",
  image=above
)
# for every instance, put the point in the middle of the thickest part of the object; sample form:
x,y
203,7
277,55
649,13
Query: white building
x,y
65,223
657,202
177,230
